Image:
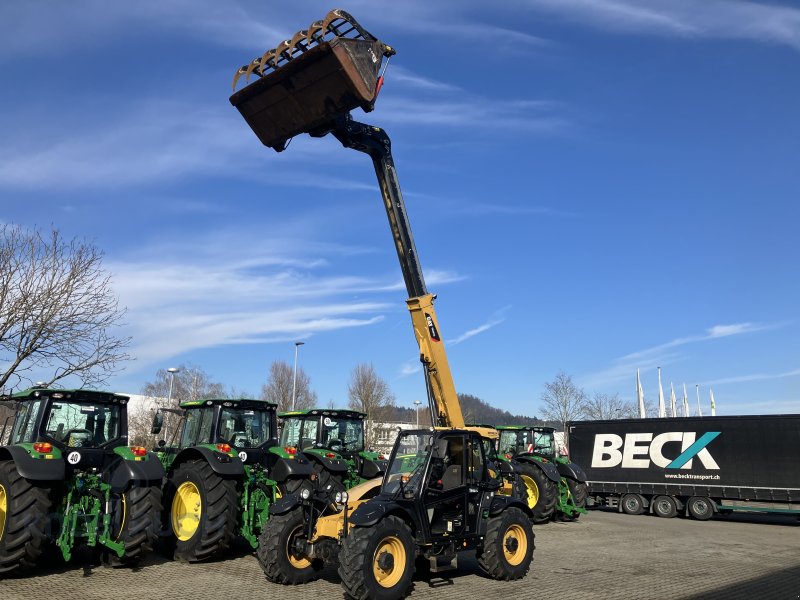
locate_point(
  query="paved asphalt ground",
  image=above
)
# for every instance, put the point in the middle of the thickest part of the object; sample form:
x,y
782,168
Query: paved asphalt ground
x,y
603,555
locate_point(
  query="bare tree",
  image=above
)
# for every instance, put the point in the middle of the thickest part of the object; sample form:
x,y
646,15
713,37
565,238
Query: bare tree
x,y
190,383
57,310
607,406
278,388
563,400
370,394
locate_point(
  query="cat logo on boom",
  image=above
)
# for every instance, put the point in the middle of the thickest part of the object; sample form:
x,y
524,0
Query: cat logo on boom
x,y
434,333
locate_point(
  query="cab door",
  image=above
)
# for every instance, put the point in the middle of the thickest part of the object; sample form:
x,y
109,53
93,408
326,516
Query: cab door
x,y
445,495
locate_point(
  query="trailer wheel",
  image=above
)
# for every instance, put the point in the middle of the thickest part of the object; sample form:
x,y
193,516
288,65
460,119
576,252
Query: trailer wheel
x,y
665,507
378,561
277,554
632,504
700,508
538,491
508,546
23,519
201,510
136,524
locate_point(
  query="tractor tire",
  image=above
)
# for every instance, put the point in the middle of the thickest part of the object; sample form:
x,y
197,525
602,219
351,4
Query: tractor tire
x,y
293,485
508,546
279,562
378,561
136,523
538,491
201,511
579,492
24,510
325,479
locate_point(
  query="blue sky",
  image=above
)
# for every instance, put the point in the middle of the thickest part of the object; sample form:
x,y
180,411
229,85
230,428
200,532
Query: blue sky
x,y
594,186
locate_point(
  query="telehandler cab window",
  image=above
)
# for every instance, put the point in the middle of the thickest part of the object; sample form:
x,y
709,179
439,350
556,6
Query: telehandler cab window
x,y
83,425
197,428
407,464
447,464
25,424
245,428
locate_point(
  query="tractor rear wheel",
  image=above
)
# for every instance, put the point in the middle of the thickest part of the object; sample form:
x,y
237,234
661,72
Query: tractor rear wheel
x,y
538,490
578,492
508,546
201,510
24,509
378,561
136,523
277,550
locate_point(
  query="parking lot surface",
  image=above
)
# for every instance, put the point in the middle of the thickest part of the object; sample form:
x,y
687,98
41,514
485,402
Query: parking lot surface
x,y
603,555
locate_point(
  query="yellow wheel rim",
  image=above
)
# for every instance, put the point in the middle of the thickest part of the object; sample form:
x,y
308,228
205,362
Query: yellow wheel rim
x,y
389,562
515,545
298,561
187,507
532,489
278,493
3,509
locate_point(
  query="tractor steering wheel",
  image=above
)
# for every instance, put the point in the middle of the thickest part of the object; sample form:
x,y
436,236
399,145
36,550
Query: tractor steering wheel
x,y
70,432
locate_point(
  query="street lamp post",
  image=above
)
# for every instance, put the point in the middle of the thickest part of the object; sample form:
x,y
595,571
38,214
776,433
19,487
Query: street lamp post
x,y
294,379
171,371
416,410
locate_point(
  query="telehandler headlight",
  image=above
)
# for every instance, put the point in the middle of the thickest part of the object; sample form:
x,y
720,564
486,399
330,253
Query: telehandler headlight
x,y
305,493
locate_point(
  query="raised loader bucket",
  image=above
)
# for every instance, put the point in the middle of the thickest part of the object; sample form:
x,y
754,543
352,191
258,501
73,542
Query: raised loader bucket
x,y
305,83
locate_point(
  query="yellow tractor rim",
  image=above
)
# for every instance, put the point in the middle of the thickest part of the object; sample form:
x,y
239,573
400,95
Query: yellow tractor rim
x,y
3,509
298,561
389,562
533,490
515,545
187,507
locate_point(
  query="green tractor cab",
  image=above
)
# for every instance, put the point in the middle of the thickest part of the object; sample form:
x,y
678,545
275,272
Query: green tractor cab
x,y
333,440
558,484
68,477
224,469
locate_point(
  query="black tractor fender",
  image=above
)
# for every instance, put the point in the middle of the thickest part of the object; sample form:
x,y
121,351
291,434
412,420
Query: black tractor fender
x,y
548,468
373,511
501,503
284,468
334,465
222,464
122,472
572,471
35,469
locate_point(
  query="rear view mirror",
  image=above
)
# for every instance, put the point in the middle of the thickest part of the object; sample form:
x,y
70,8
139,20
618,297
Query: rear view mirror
x,y
158,422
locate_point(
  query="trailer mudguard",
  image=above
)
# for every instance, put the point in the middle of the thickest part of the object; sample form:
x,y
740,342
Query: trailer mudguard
x,y
501,503
221,464
121,472
284,468
35,469
549,469
572,471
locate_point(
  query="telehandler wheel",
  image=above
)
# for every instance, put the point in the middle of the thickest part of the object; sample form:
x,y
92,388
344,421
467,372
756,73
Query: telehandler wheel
x,y
24,509
508,546
378,561
136,524
277,551
200,510
539,492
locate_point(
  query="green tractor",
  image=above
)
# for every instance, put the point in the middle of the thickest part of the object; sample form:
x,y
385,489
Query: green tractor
x,y
534,449
333,441
224,471
69,478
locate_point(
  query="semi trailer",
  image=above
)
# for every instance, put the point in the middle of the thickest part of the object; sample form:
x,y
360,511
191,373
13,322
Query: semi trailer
x,y
694,466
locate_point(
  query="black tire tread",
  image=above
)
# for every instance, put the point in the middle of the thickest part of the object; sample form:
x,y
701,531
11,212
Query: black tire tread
x,y
489,559
269,551
140,532
25,533
548,492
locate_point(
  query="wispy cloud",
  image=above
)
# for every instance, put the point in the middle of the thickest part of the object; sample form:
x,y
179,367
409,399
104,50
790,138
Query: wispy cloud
x,y
752,377
716,19
664,354
496,319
